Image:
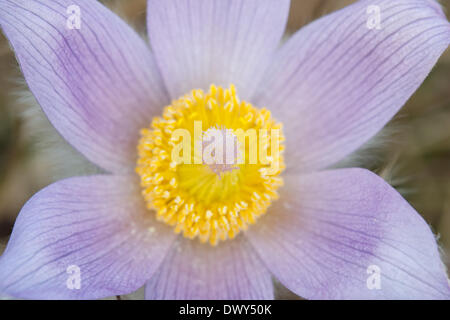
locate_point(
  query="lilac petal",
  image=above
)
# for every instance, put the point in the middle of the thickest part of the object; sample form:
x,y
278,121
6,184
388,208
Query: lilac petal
x,y
98,85
98,224
193,270
198,43
336,82
333,228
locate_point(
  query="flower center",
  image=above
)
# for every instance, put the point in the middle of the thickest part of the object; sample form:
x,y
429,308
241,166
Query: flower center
x,y
211,165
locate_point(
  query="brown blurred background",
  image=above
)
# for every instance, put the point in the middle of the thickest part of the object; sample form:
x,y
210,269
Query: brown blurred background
x,y
414,155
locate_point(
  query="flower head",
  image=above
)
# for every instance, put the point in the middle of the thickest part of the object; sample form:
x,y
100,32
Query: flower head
x,y
173,129
205,194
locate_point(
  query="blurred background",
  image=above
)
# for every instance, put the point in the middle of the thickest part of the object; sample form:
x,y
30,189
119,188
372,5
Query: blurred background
x,y
413,155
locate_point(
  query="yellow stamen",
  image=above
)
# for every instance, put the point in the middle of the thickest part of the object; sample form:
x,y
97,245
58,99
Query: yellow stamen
x,y
210,201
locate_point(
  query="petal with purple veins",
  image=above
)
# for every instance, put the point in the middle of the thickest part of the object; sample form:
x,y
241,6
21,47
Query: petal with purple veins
x,y
193,270
98,84
337,82
199,43
96,228
346,234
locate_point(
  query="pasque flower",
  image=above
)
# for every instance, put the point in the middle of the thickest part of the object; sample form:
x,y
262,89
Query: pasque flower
x,y
186,232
